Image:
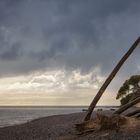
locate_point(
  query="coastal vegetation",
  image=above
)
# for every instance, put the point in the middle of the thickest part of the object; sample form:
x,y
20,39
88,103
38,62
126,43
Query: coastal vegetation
x,y
130,90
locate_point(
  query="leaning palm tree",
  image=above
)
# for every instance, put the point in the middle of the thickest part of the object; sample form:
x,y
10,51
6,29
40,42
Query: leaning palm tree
x,y
109,79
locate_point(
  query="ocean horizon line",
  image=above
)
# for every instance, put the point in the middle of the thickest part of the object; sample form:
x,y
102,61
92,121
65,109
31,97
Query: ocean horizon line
x,y
53,106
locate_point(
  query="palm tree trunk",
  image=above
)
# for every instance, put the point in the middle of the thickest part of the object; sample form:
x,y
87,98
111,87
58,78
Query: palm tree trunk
x,y
109,79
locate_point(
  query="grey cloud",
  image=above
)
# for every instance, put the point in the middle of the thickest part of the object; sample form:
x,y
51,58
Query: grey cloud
x,y
10,49
12,53
72,34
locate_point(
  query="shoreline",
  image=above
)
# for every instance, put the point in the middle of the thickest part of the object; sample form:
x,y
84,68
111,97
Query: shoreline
x,y
19,115
62,127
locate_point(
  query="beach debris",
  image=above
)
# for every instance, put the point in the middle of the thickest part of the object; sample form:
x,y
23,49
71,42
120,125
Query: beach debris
x,y
112,109
138,115
84,110
109,79
105,135
133,113
101,122
100,109
110,122
126,106
87,126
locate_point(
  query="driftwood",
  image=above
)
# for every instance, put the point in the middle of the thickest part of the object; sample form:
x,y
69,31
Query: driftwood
x,y
110,122
133,113
101,122
128,105
138,116
109,79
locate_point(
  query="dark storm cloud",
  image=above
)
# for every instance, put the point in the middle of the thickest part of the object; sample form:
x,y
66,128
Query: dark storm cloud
x,y
9,50
12,53
71,34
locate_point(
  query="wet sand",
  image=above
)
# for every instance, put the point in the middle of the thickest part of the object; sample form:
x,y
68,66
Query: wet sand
x,y
61,127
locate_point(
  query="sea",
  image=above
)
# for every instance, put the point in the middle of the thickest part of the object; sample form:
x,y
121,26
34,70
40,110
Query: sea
x,y
10,115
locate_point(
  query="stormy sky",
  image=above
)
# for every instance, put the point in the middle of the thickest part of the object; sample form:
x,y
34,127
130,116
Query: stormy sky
x,y
59,52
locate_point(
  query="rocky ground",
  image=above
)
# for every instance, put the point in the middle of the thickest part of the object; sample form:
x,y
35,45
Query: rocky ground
x,y
62,127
